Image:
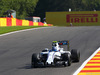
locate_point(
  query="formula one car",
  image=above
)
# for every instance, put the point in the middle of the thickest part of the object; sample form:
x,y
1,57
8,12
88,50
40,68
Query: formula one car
x,y
55,56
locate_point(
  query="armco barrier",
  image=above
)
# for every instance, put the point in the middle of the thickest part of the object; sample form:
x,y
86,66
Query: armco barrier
x,y
3,22
13,21
16,22
82,18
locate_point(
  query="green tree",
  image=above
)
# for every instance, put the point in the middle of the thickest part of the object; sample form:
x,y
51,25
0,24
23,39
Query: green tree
x,y
90,5
63,5
56,5
23,8
26,8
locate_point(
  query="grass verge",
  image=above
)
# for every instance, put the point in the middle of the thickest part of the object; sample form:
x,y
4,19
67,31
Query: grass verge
x,y
15,28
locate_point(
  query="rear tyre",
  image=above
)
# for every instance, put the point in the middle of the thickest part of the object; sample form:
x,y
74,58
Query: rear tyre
x,y
75,55
34,61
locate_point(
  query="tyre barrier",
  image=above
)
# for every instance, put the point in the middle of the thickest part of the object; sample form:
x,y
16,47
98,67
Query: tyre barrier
x,y
17,22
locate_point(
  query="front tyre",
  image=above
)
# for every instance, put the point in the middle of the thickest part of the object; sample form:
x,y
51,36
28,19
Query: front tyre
x,y
75,55
67,59
34,61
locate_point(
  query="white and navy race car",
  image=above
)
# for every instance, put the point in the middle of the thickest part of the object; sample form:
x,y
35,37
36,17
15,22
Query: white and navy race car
x,y
55,56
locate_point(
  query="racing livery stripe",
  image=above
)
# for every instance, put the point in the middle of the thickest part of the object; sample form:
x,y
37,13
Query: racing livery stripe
x,y
97,56
95,59
98,52
90,74
93,63
91,66
90,71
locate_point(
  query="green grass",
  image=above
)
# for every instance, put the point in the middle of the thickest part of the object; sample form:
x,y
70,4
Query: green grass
x,y
15,28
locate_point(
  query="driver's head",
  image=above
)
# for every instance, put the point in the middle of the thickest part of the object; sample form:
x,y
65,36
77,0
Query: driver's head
x,y
54,44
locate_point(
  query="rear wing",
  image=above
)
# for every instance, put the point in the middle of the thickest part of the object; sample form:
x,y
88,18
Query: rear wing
x,y
61,43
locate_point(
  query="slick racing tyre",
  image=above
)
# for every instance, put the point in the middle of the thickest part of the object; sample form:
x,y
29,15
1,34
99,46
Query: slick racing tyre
x,y
34,61
67,59
75,55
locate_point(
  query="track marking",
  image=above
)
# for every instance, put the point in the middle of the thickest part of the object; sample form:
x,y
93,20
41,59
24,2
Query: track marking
x,y
91,66
23,31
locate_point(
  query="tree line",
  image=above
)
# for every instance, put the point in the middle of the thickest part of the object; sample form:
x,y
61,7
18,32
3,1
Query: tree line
x,y
25,8
64,5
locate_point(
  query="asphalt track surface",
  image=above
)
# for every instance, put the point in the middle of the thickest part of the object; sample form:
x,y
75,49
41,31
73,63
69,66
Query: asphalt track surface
x,y
16,49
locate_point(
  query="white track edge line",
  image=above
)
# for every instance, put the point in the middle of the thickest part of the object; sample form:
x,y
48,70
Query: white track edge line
x,y
23,31
83,65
